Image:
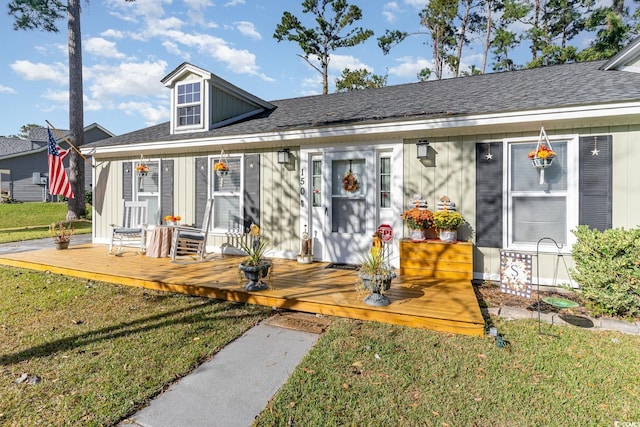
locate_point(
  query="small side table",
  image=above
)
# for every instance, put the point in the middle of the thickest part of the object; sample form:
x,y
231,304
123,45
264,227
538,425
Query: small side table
x,y
160,241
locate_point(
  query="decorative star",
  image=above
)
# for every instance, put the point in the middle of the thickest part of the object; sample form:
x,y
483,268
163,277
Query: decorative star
x,y
489,156
595,152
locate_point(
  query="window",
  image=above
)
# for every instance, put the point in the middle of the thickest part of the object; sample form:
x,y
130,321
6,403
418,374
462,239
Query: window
x,y
316,182
541,207
189,104
147,187
385,182
226,191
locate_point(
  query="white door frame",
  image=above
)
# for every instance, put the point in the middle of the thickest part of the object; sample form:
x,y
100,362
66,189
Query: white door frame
x,y
316,220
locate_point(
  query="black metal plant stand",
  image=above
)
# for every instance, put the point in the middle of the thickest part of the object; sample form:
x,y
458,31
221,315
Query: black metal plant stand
x,y
555,272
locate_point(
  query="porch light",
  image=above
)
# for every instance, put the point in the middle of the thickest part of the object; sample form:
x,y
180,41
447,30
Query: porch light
x,y
423,149
284,156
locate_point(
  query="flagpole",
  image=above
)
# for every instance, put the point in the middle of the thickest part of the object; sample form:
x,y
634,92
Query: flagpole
x,y
66,140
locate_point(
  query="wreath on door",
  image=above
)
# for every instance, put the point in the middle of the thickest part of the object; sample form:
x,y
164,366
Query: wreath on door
x,y
350,181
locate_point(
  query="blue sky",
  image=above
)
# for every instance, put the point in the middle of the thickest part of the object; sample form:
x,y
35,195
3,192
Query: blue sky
x,y
129,47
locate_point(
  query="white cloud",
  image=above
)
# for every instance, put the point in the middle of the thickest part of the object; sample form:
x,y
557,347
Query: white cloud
x,y
416,4
102,47
198,4
56,72
125,79
340,62
57,96
234,2
247,28
240,61
152,113
410,66
115,34
389,11
6,89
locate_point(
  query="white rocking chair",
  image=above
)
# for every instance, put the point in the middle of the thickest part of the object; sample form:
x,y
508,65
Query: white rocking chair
x,y
133,228
191,241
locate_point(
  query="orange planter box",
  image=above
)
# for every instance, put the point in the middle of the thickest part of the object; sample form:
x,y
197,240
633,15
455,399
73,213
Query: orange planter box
x,y
436,260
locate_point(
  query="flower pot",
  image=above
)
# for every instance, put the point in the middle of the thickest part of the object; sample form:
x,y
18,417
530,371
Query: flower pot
x,y
222,173
305,259
541,163
448,236
255,274
376,285
142,174
417,235
61,244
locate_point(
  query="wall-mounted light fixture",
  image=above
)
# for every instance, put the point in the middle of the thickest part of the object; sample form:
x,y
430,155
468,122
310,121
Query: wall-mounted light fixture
x,y
422,147
284,156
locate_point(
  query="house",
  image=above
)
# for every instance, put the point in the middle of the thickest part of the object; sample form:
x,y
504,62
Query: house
x,y
287,160
24,165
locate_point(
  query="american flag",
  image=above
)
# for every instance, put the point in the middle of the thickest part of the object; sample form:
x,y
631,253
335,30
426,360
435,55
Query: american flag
x,y
58,180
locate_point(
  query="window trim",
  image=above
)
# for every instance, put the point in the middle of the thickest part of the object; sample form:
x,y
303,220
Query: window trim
x,y
136,193
572,195
212,194
178,106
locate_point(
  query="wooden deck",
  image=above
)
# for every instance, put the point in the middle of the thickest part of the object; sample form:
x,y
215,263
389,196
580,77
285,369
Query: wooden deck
x,y
447,305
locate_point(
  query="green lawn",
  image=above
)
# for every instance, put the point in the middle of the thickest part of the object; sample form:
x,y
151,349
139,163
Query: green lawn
x,y
26,221
100,350
370,374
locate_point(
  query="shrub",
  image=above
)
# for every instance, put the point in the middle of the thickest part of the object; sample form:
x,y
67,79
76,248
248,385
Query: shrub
x,y
607,267
88,197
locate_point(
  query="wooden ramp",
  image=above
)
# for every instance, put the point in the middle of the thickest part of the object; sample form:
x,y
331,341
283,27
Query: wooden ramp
x,y
447,305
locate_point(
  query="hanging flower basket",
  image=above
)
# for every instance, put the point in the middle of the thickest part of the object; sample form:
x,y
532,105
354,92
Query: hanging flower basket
x,y
142,170
543,155
541,163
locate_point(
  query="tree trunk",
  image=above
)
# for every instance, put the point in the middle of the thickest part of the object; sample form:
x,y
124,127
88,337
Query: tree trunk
x,y
487,40
76,206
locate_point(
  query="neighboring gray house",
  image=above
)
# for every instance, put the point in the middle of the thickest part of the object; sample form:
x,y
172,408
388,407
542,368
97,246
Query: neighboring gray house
x,y
24,165
480,130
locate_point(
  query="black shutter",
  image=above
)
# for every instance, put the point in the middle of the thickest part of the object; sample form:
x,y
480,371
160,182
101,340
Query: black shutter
x,y
202,193
127,181
251,190
596,182
489,195
166,192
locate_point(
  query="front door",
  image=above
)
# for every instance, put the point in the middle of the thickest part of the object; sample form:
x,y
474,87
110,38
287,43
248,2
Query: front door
x,y
349,205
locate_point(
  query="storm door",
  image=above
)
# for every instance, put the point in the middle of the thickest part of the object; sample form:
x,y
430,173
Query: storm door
x,y
349,204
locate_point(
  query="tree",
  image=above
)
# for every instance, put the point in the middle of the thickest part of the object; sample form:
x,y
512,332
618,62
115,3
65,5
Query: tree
x,y
612,29
326,37
43,15
25,129
359,79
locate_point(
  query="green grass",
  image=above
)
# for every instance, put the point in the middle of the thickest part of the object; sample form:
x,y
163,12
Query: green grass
x,y
26,221
101,350
364,374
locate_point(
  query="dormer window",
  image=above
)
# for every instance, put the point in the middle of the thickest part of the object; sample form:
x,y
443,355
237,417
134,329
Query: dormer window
x,y
189,108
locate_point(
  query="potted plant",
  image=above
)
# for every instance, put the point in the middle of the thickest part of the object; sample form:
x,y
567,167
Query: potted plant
x,y
447,223
172,219
419,219
221,168
375,275
142,170
542,156
61,234
255,267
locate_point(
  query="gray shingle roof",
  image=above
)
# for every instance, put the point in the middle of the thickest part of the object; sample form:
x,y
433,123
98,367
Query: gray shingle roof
x,y
547,87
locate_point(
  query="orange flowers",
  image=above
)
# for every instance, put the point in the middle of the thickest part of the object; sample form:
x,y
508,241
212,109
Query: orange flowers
x,y
172,218
418,218
220,166
542,152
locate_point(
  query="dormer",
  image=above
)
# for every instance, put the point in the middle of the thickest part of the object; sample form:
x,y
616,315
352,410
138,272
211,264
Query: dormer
x,y
628,59
201,101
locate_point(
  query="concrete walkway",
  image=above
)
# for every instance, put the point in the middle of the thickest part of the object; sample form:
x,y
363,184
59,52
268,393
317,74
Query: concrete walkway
x,y
235,386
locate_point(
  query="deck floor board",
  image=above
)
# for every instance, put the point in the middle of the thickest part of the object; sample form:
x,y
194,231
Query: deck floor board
x,y
443,305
